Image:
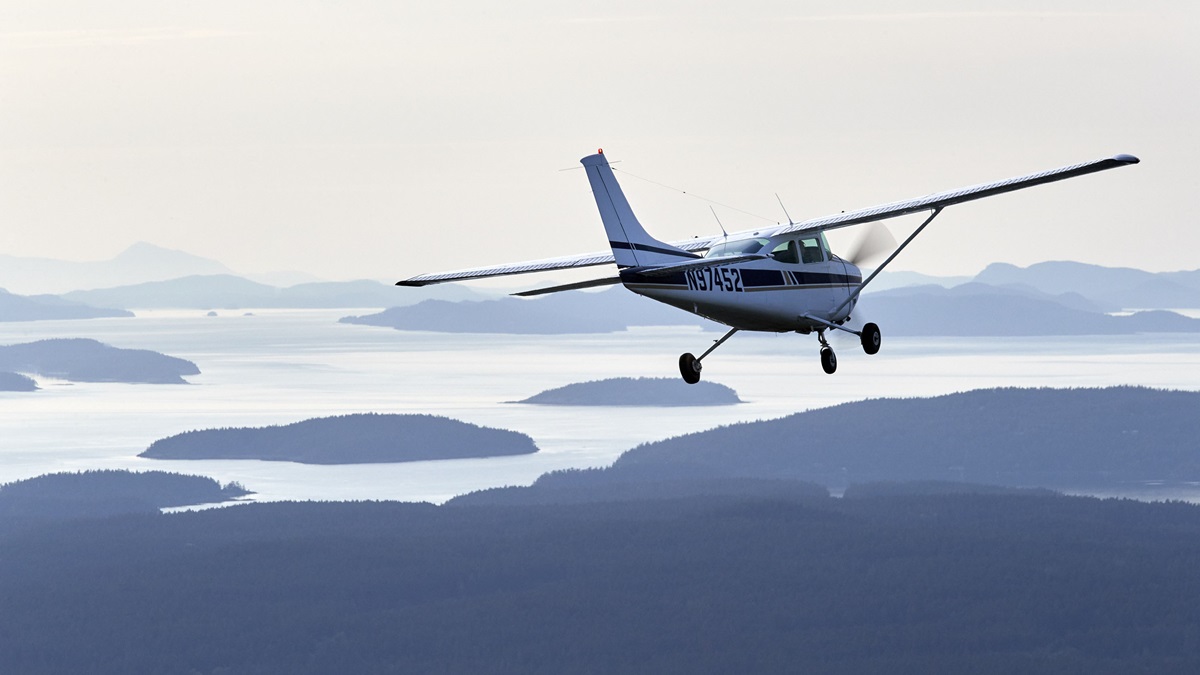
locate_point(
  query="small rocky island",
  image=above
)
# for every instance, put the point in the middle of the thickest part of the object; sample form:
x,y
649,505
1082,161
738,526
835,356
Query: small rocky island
x,y
641,391
104,493
86,360
347,439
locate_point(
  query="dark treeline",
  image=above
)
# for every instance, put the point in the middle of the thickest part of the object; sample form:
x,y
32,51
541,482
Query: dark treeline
x,y
914,584
347,439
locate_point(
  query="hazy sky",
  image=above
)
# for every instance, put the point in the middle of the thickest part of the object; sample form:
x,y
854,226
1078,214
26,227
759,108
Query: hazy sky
x,y
380,139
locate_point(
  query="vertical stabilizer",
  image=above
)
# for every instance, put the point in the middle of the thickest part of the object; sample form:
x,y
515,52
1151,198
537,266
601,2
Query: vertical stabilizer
x,y
632,246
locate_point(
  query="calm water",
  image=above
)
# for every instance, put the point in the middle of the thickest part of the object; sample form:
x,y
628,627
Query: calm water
x,y
283,366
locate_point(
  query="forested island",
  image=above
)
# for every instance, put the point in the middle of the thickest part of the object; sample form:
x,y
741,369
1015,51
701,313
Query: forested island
x,y
347,439
16,382
641,391
50,307
1056,438
913,584
86,360
93,494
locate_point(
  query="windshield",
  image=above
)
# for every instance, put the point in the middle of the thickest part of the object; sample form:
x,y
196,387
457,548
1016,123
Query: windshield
x,y
739,247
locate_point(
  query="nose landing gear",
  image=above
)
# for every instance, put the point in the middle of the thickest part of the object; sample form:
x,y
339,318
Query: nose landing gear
x,y
828,358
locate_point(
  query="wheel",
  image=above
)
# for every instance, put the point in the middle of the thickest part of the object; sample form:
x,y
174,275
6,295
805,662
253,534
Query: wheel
x,y
828,360
870,338
689,368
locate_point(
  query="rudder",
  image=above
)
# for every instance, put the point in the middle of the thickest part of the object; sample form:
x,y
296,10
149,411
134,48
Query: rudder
x,y
631,245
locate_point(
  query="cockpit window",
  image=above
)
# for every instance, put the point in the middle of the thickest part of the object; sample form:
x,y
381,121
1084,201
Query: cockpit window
x,y
786,252
810,250
738,247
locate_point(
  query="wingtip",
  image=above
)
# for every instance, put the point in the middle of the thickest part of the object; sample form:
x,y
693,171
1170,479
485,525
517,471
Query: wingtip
x,y
1127,159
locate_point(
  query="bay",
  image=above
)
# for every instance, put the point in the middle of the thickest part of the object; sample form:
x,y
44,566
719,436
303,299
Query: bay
x,y
264,367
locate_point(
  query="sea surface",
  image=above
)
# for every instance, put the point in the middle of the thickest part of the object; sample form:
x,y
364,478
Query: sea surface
x,y
263,367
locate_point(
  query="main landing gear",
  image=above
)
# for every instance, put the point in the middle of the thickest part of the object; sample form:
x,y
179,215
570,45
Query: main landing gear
x,y
869,337
689,366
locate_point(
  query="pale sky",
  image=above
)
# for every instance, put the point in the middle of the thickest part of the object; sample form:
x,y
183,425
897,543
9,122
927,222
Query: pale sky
x,y
382,139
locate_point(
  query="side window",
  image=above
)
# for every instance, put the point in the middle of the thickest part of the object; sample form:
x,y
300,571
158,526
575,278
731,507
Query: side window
x,y
810,251
786,252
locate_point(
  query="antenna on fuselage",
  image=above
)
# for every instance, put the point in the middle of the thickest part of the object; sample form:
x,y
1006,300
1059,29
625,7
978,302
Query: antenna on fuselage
x,y
714,212
789,217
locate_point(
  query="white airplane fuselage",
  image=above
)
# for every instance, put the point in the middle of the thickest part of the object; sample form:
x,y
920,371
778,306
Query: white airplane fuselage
x,y
760,295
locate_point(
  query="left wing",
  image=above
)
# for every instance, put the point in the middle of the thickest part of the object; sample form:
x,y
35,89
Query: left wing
x,y
543,265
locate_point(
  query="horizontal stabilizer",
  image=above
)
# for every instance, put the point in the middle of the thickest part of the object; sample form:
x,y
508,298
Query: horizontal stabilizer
x,y
592,283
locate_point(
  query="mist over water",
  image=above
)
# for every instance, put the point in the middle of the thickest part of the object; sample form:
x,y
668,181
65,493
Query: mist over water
x,y
281,366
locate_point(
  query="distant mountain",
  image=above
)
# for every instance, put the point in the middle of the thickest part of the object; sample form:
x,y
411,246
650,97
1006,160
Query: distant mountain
x,y
84,360
606,311
969,309
1117,287
347,439
226,291
978,309
139,263
97,494
49,307
641,391
1055,438
887,280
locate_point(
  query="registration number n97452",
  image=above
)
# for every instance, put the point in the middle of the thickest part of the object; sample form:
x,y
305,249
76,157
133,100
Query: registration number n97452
x,y
724,279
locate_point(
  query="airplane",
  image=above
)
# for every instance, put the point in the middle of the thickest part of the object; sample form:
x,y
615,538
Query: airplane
x,y
779,278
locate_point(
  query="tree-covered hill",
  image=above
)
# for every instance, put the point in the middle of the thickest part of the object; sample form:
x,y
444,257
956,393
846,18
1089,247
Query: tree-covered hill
x,y
954,583
347,439
1057,438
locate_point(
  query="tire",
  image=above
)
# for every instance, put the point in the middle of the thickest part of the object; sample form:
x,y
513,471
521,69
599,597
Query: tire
x,y
828,360
871,339
689,368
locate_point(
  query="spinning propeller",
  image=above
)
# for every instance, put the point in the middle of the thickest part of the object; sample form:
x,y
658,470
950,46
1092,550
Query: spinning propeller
x,y
876,241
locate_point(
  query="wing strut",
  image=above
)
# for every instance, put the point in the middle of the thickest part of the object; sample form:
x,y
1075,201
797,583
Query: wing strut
x,y
891,257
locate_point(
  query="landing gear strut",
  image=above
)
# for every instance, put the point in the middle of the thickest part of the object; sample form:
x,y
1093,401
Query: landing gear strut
x,y
689,366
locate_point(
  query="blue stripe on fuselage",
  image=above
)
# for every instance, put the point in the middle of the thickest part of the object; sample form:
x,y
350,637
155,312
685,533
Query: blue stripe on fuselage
x,y
752,278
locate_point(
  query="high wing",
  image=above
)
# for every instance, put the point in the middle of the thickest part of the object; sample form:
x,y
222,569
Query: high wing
x,y
542,265
933,202
943,199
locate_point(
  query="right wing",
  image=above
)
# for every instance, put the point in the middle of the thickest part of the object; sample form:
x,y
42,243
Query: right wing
x,y
941,200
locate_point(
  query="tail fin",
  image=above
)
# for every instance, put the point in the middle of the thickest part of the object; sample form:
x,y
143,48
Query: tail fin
x,y
632,246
